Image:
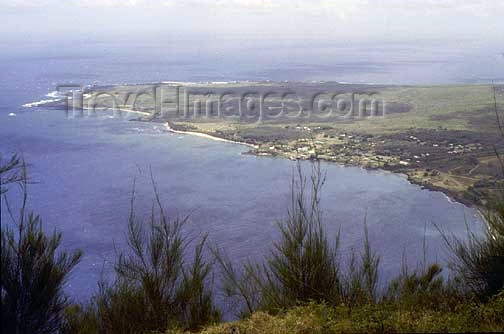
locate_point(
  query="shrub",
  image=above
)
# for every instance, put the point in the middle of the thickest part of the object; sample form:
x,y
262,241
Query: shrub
x,y
154,290
423,289
11,171
302,266
479,261
81,319
361,280
194,298
34,272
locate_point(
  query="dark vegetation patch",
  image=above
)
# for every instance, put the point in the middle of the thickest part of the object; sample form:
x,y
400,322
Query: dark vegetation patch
x,y
480,119
269,133
398,107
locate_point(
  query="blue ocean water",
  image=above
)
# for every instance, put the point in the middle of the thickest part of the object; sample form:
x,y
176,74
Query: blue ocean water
x,y
83,168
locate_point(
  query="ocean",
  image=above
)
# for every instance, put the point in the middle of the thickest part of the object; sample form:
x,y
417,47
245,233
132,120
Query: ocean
x,y
82,169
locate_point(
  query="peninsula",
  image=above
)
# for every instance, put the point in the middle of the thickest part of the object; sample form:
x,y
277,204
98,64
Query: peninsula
x,y
442,137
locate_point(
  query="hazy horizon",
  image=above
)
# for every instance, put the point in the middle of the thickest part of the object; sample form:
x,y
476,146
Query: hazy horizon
x,y
319,20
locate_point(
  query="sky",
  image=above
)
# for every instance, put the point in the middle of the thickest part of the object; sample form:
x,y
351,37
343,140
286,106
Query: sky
x,y
317,20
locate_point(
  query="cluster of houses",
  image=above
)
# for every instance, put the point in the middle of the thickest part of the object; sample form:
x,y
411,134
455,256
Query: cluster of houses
x,y
361,149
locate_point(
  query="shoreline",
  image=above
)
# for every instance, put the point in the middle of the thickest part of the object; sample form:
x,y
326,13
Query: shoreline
x,y
169,128
451,195
418,154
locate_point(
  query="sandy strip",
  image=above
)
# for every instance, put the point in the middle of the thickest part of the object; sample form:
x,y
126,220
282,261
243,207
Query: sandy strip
x,y
207,136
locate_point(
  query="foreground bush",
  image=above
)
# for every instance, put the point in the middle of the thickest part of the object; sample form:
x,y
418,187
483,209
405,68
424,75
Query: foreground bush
x,y
33,276
479,261
33,268
156,288
302,266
